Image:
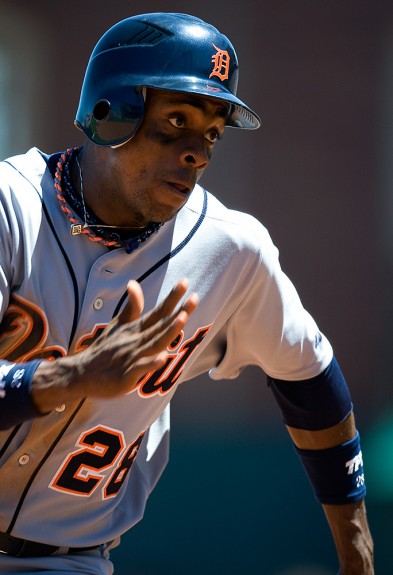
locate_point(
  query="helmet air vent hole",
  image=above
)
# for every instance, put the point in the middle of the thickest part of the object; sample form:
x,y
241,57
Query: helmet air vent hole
x,y
101,110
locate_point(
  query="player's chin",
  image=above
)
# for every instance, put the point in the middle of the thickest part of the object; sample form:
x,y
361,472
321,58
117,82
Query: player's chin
x,y
168,215
167,207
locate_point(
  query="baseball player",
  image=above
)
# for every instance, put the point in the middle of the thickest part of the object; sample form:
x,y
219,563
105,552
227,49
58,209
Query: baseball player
x,y
122,278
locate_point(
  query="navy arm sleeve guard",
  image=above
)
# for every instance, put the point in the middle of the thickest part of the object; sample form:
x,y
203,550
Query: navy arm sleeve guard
x,y
316,403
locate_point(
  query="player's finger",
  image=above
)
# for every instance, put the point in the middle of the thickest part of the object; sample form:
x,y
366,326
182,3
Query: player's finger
x,y
142,367
135,303
190,303
168,324
158,337
166,308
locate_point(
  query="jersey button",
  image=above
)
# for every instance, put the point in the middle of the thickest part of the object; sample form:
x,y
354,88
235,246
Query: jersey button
x,y
23,459
98,303
60,408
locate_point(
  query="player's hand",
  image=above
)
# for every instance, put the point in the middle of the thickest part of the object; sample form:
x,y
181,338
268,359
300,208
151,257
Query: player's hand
x,y
132,345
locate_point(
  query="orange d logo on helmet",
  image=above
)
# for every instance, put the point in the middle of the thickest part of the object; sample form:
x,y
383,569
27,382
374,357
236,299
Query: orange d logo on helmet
x,y
221,60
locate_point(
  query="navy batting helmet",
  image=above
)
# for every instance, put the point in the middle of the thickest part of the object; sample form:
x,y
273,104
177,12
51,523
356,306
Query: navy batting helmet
x,y
168,51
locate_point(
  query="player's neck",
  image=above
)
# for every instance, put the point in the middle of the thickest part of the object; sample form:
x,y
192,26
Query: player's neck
x,y
83,181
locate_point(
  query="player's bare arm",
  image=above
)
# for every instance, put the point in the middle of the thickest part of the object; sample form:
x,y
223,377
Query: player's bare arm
x,y
348,522
349,526
131,345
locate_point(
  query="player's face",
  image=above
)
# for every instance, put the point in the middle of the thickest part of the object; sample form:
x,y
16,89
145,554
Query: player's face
x,y
151,177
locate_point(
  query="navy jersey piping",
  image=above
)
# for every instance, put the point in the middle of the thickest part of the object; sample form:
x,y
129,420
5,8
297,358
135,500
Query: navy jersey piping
x,y
73,329
39,467
171,254
66,259
9,439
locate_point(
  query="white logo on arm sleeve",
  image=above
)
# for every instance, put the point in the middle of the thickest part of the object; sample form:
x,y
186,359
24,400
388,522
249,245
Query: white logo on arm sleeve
x,y
355,463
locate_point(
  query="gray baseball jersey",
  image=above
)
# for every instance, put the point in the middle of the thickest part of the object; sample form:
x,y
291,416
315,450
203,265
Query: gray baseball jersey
x,y
87,468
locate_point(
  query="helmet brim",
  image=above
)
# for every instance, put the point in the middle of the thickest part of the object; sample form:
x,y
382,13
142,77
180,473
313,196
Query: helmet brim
x,y
240,116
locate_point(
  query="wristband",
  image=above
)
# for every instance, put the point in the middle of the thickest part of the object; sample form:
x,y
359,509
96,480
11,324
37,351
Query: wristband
x,y
16,404
336,474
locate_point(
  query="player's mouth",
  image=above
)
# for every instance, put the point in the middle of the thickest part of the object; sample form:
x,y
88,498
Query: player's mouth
x,y
180,188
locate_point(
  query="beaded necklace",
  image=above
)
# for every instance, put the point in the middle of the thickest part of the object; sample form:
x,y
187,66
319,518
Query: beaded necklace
x,y
65,193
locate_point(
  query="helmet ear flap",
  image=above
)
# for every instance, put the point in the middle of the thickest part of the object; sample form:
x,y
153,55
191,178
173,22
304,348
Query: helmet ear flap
x,y
115,117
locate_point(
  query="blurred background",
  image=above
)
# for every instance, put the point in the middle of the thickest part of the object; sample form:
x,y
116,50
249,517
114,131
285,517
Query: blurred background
x,y
319,174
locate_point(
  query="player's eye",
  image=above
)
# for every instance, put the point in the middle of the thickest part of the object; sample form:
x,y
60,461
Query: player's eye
x,y
177,121
212,136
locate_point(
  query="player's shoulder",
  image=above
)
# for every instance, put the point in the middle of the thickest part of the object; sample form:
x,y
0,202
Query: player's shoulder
x,y
229,225
22,174
32,161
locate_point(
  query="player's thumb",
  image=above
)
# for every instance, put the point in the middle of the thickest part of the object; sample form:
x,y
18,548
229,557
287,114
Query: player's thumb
x,y
135,303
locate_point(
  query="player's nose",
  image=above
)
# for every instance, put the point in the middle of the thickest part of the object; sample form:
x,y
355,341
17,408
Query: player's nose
x,y
195,153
